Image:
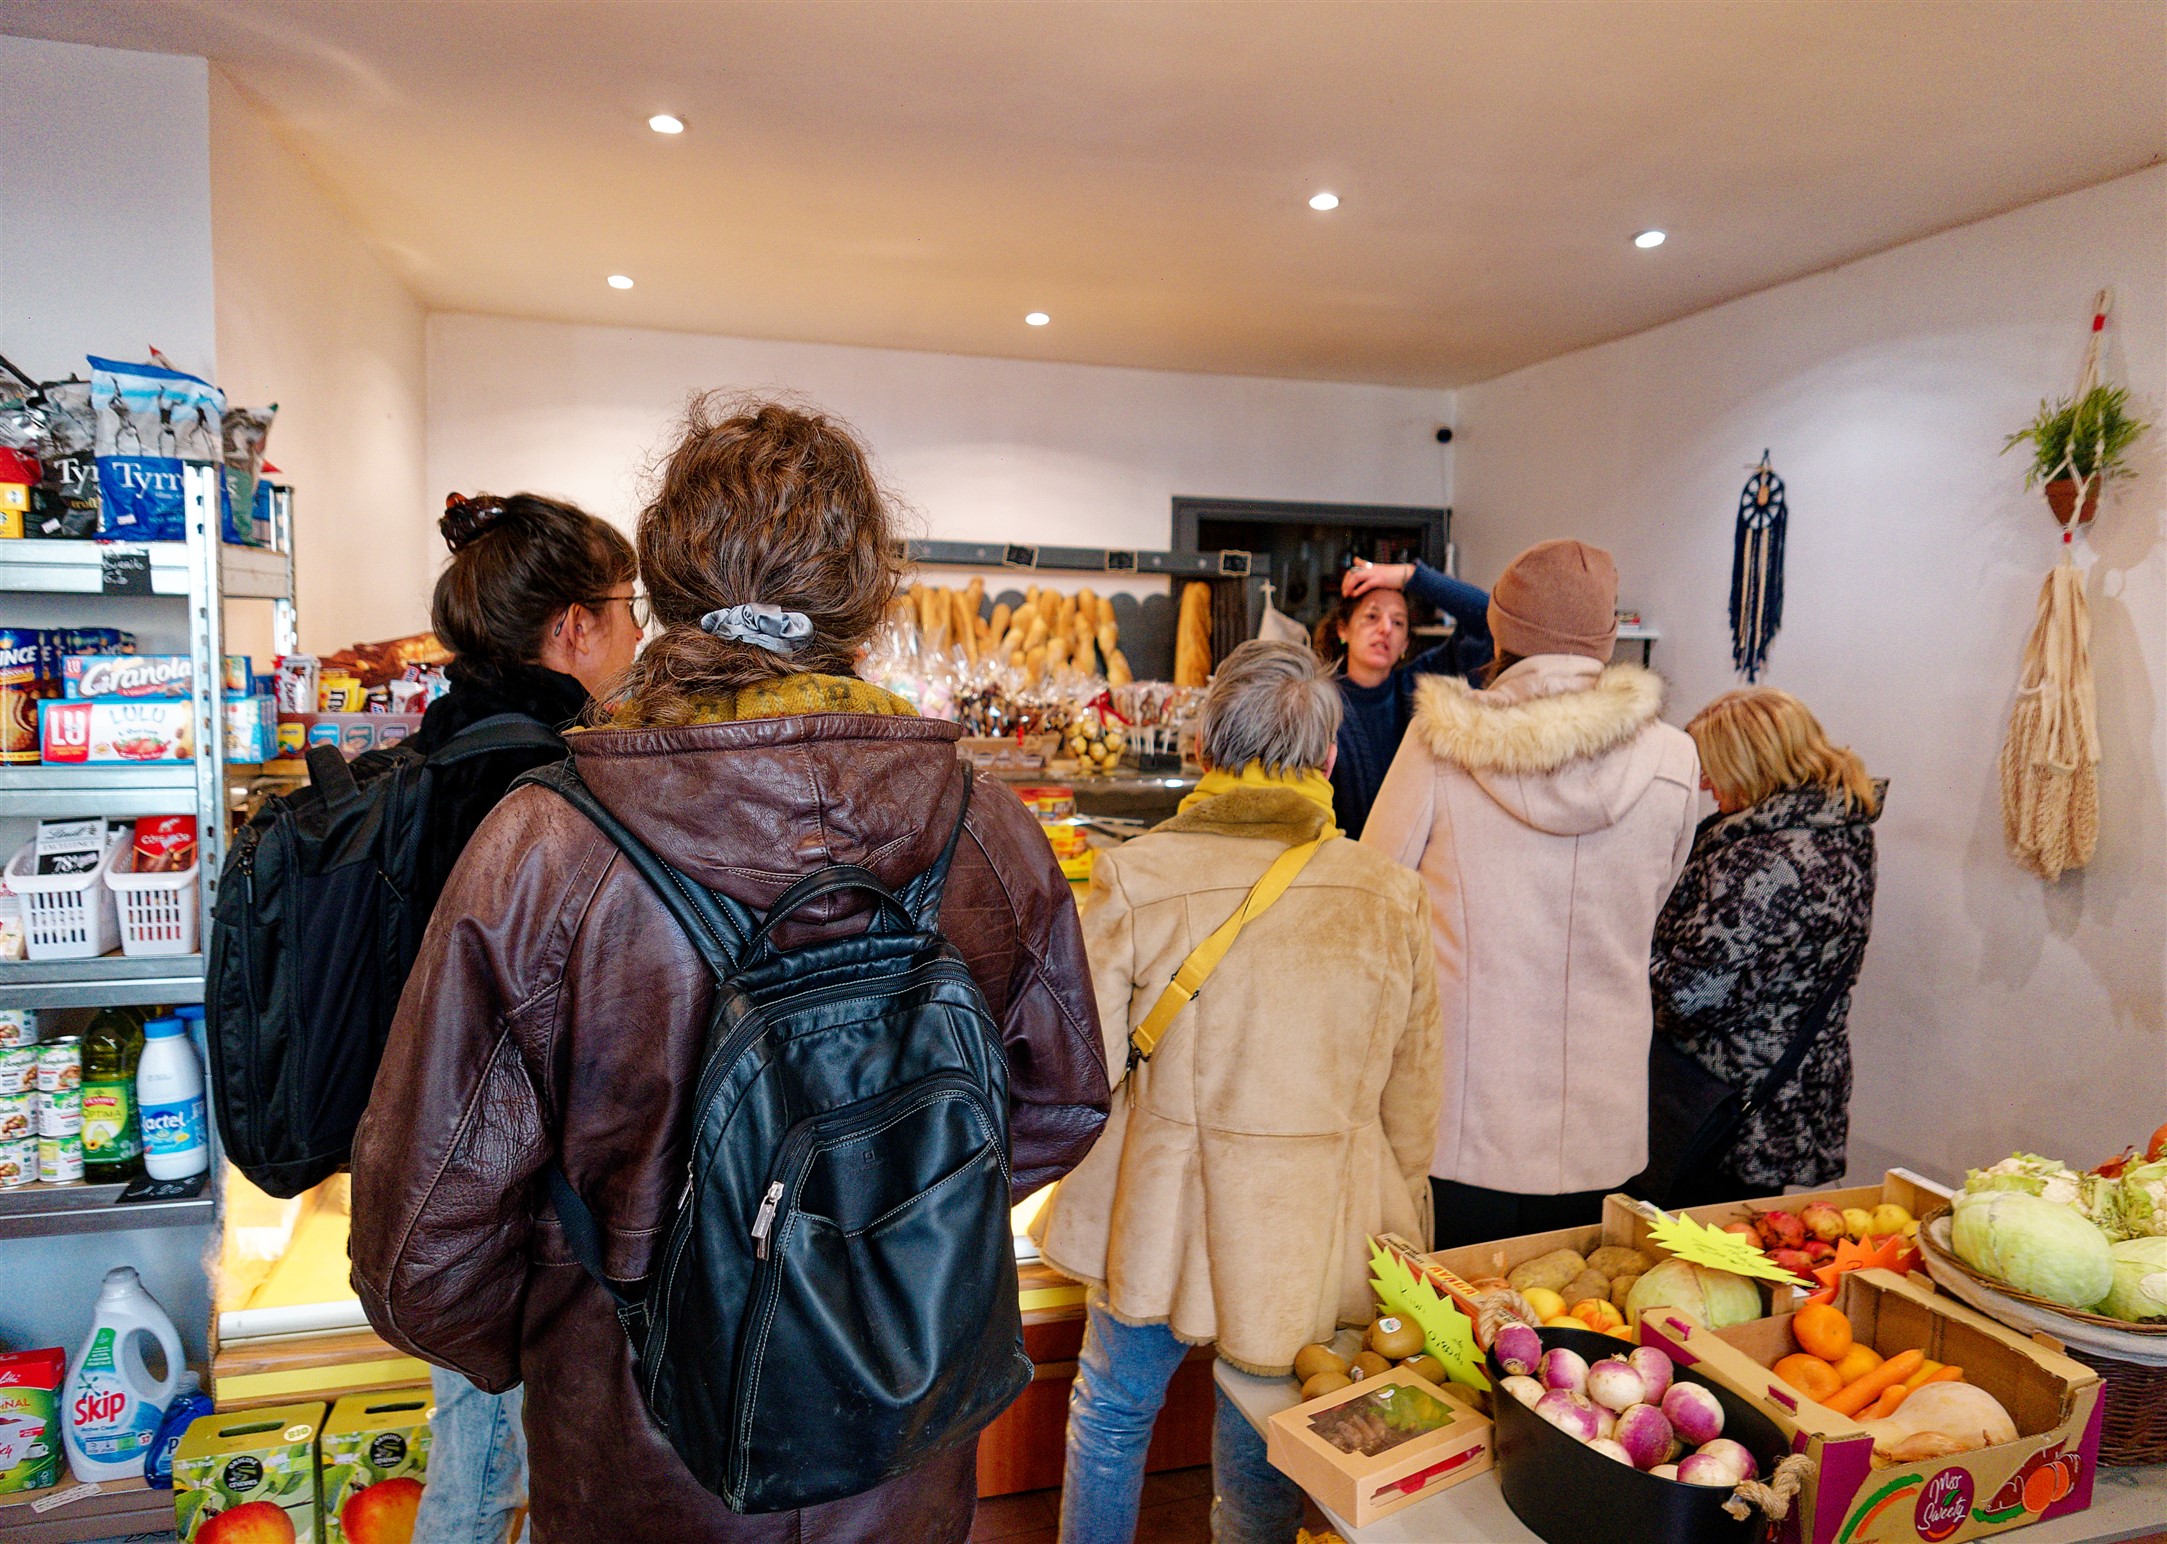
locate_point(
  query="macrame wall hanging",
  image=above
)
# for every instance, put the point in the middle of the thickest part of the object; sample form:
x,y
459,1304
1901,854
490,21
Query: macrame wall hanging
x,y
1757,570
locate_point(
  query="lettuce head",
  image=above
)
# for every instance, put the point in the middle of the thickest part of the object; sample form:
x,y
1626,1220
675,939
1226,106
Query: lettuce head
x,y
2140,1280
2033,1244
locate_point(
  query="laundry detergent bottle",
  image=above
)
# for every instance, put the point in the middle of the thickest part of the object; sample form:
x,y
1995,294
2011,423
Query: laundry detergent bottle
x,y
113,1405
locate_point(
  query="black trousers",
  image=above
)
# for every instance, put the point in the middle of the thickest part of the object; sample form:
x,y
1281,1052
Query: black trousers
x,y
1469,1214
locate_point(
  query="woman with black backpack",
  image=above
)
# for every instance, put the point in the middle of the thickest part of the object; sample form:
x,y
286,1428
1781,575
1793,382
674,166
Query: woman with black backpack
x,y
529,1146
538,610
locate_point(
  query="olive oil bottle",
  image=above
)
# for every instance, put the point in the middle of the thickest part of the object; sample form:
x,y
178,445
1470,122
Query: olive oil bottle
x,y
112,1128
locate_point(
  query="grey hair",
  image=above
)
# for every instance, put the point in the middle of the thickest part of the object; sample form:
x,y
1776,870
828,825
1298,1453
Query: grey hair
x,y
1270,702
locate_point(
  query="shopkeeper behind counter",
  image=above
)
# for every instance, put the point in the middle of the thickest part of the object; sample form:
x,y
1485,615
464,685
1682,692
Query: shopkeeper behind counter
x,y
1366,634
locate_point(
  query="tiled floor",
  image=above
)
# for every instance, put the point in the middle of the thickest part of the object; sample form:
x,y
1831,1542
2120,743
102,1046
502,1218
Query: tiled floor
x,y
1176,1510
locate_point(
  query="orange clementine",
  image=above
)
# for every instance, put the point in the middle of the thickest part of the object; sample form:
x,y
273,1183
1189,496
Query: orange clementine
x,y
1857,1362
1808,1374
1822,1330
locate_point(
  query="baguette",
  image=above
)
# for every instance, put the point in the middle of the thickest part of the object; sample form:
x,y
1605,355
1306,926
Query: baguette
x,y
1192,637
1117,669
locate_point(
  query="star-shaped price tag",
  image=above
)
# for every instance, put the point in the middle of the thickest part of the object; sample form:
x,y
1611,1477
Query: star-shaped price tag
x,y
1893,1253
1700,1243
1447,1334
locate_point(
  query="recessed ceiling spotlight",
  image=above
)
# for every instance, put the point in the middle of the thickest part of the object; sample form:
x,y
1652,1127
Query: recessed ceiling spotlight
x,y
620,281
666,123
1647,239
1037,318
1323,201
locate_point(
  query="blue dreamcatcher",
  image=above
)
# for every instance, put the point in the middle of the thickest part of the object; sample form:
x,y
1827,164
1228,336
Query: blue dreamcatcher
x,y
1757,570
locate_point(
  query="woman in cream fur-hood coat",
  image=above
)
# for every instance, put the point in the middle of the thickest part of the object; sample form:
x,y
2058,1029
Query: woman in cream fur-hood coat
x,y
1549,817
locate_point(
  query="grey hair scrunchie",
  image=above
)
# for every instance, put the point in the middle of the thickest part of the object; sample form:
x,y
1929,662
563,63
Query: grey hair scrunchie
x,y
763,626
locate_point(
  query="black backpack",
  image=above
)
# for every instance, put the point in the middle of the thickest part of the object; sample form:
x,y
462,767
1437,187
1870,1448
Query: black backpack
x,y
835,1300
311,941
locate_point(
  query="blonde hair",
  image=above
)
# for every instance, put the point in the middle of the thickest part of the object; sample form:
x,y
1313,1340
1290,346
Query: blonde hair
x,y
1760,740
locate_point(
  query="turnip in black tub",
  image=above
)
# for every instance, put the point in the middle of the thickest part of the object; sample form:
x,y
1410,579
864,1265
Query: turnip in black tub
x,y
1571,1493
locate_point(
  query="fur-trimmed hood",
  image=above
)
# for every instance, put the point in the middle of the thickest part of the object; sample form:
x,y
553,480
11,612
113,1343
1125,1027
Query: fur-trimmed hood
x,y
1559,741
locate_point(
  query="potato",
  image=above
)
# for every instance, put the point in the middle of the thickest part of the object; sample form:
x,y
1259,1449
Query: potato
x,y
1553,1270
1621,1287
1589,1283
1614,1260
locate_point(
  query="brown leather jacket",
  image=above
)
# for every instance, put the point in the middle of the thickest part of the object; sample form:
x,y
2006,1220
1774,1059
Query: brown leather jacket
x,y
556,1012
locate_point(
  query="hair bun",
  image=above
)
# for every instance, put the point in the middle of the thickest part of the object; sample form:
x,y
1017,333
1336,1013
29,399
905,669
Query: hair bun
x,y
466,520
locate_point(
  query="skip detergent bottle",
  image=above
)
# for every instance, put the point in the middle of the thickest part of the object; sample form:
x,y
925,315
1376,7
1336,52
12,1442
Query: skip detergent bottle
x,y
112,1405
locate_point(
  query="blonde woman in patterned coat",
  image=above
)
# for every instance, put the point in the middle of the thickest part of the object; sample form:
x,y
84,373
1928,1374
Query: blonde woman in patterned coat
x,y
1775,900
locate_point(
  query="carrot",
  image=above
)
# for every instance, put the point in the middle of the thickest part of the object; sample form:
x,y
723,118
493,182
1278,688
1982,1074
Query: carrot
x,y
1948,1375
1885,1406
1926,1370
1864,1390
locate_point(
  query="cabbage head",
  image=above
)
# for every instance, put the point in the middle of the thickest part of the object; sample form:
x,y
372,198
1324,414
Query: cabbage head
x,y
2140,1280
1716,1298
2140,1202
2029,1174
2034,1245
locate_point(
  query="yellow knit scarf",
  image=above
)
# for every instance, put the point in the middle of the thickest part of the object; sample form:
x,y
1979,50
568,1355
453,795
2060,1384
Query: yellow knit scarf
x,y
788,697
1311,785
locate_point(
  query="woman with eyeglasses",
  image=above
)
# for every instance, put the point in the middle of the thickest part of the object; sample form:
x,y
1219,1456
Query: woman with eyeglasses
x,y
538,610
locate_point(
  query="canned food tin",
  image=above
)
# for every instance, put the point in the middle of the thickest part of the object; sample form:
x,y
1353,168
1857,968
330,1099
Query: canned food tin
x,y
60,1115
18,1117
19,1070
60,1160
18,1027
18,1163
60,1065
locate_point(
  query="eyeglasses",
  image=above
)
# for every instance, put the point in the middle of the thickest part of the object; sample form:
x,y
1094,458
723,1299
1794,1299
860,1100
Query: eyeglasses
x,y
635,603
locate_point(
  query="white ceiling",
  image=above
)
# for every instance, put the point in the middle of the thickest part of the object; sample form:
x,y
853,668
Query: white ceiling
x,y
919,175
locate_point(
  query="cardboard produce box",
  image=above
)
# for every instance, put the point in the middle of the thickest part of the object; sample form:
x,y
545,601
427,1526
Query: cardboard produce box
x,y
2054,1401
375,1460
1369,1449
248,1475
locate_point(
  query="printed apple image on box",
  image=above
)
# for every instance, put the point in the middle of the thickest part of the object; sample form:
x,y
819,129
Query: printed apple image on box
x,y
375,1462
249,1477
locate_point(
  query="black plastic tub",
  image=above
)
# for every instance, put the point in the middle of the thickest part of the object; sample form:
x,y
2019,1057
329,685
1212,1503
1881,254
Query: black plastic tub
x,y
1571,1494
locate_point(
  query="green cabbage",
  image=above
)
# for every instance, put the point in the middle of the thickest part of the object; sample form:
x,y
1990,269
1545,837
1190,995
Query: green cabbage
x,y
1716,1298
2140,1203
2028,1174
2034,1245
2140,1280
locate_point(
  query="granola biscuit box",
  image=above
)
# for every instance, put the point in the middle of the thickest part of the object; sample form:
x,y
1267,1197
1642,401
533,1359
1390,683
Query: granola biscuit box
x,y
249,1477
375,1460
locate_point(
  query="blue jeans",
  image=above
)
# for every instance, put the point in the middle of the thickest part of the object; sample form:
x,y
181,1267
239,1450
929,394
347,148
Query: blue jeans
x,y
477,1464
1121,1378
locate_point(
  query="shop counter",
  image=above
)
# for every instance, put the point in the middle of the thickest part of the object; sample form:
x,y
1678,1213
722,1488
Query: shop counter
x,y
2127,1503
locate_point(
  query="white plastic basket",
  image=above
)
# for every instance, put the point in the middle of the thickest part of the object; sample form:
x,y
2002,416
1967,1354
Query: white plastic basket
x,y
66,916
158,912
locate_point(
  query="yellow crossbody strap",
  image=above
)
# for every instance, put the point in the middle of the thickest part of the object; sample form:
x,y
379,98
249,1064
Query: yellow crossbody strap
x,y
1205,958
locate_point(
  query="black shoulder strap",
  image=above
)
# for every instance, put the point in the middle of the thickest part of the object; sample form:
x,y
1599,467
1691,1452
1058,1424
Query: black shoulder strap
x,y
498,732
581,1234
1809,1031
720,928
923,894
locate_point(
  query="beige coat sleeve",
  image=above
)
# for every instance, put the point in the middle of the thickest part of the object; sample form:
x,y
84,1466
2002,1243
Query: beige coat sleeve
x,y
1109,929
1412,1094
1682,849
1399,822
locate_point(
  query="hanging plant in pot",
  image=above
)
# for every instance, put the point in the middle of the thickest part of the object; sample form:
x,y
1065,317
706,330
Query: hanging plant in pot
x,y
2078,443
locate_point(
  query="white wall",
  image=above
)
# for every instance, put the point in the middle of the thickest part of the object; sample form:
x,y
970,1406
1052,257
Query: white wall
x,y
105,215
1995,1012
984,449
309,318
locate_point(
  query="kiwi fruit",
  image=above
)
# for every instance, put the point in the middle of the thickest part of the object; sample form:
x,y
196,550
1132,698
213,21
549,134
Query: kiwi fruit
x,y
1325,1383
1393,1338
1425,1366
1367,1364
1311,1360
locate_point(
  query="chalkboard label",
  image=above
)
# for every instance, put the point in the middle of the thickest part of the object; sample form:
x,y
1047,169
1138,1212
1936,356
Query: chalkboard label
x,y
1018,556
124,570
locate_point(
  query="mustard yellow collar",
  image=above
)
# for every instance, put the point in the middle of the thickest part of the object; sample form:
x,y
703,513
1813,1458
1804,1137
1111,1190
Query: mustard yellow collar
x,y
1311,785
788,696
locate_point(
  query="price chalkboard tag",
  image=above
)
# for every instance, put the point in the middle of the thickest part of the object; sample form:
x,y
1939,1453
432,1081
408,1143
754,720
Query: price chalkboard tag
x,y
124,570
1016,555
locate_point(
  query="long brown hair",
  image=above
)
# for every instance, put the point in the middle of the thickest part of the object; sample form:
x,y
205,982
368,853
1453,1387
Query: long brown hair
x,y
516,563
759,501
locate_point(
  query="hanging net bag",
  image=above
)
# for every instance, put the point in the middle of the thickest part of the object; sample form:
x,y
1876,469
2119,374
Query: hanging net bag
x,y
2050,761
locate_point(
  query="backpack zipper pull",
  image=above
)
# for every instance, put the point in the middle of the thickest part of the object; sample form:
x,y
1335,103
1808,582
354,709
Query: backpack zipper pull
x,y
765,1219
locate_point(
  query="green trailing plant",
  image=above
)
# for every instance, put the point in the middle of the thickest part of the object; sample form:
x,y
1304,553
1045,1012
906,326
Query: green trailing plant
x,y
2079,438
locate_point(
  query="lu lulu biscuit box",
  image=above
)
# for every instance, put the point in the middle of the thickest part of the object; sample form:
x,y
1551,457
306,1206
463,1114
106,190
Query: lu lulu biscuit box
x,y
144,675
248,1476
91,731
375,1460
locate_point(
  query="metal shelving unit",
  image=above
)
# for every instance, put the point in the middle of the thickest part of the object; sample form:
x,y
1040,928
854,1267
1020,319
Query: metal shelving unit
x,y
202,573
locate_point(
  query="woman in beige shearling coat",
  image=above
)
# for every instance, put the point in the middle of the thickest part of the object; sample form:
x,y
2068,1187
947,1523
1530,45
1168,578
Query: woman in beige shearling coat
x,y
1548,815
1288,1112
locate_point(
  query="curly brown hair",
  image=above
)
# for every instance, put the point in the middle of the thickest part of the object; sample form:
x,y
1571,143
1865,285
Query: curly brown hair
x,y
758,501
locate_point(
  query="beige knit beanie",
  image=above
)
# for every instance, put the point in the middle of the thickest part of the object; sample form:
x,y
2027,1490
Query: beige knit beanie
x,y
1558,597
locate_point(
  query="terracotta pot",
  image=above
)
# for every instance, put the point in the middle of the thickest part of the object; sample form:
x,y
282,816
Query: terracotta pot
x,y
2062,497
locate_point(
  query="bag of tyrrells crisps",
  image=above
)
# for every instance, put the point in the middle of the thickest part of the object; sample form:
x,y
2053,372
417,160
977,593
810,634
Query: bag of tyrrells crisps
x,y
65,501
150,420
246,429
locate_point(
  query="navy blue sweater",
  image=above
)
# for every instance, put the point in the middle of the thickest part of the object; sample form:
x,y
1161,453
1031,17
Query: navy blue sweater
x,y
1377,716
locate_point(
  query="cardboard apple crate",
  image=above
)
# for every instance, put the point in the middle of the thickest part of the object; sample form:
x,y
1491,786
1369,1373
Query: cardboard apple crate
x,y
2053,1400
1360,1489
